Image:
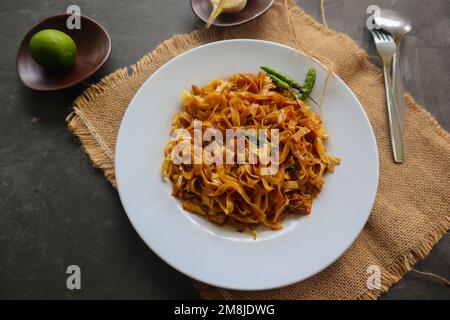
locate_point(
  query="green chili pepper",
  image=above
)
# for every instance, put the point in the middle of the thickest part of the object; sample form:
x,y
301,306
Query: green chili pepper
x,y
308,85
291,82
279,83
287,83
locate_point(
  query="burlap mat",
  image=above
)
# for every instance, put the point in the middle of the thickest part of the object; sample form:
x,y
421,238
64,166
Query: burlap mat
x,y
411,212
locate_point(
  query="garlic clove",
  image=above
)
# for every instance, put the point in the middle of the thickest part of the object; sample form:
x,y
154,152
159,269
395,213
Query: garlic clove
x,y
225,6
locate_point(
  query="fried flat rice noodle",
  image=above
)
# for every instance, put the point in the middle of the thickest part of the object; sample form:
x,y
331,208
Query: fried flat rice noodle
x,y
239,193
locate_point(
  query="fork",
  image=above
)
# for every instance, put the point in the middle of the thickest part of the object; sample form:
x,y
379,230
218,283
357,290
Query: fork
x,y
386,49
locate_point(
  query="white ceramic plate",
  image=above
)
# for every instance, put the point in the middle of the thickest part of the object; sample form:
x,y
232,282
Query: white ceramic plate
x,y
219,255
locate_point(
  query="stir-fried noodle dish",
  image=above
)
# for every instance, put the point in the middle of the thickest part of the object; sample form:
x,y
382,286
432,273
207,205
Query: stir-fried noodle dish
x,y
248,150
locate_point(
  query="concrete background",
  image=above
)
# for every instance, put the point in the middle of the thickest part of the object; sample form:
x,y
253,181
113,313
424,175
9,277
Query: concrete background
x,y
56,210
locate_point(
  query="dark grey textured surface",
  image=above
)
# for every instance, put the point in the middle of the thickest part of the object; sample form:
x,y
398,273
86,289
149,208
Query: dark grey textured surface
x,y
56,210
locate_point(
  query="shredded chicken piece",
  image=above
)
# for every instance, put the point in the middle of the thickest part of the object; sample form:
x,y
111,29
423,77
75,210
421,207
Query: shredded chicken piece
x,y
299,204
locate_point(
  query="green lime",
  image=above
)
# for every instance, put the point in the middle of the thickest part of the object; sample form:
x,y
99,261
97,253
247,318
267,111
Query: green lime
x,y
53,49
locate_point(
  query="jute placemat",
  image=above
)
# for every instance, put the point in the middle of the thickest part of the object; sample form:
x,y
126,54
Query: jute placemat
x,y
411,211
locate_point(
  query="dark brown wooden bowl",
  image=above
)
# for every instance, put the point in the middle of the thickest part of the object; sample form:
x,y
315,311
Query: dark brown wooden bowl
x,y
93,50
253,9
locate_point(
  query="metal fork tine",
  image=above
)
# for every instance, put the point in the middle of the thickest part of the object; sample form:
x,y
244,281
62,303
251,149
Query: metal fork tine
x,y
389,36
375,33
380,35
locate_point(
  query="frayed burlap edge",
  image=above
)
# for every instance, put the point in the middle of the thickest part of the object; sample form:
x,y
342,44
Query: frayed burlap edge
x,y
100,157
404,263
91,142
91,147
